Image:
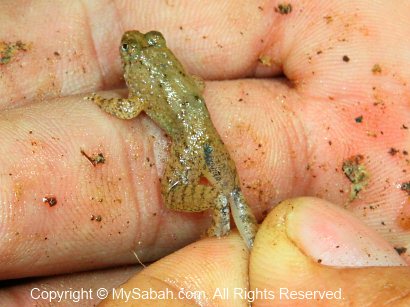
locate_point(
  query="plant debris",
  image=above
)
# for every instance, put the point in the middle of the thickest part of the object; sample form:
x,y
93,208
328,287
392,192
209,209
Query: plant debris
x,y
356,172
8,50
96,159
265,60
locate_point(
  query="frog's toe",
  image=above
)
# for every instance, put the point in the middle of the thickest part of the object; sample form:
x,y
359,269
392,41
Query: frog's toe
x,y
214,231
220,218
220,227
90,97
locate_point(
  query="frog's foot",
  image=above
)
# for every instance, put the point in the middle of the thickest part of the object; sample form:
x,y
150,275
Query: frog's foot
x,y
91,97
124,108
220,218
244,219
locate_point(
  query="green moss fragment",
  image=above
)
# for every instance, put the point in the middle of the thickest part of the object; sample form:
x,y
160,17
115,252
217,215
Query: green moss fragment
x,y
356,172
9,50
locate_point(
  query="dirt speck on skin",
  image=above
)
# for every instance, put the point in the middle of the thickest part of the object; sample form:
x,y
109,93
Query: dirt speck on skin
x,y
50,200
356,172
400,250
18,190
284,8
359,119
403,218
328,19
94,160
96,218
405,186
265,60
376,69
9,50
393,151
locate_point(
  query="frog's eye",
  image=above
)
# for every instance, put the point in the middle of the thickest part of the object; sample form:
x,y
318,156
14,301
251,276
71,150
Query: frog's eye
x,y
124,47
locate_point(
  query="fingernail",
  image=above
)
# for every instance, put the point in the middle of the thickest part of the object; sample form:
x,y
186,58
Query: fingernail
x,y
333,236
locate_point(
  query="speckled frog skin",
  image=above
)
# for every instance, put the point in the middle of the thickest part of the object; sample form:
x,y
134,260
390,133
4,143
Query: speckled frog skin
x,y
159,86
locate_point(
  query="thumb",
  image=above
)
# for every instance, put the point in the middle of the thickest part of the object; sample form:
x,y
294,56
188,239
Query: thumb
x,y
299,246
200,274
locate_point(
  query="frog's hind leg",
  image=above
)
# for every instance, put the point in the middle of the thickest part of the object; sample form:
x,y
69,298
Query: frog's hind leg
x,y
124,108
188,195
244,219
223,173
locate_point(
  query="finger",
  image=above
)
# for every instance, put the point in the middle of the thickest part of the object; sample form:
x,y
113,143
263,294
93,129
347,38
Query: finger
x,y
342,51
307,244
80,53
84,288
199,274
82,191
86,186
353,108
76,50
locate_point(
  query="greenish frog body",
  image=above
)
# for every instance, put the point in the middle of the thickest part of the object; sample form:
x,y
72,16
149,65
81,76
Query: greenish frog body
x,y
159,86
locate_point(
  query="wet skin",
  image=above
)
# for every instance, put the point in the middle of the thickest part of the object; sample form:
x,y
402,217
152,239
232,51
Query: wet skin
x,y
159,86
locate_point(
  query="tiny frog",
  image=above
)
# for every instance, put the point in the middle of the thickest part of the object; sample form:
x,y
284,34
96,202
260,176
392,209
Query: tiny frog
x,y
159,86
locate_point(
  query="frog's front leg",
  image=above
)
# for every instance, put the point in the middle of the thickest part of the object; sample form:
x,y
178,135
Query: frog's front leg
x,y
124,108
182,192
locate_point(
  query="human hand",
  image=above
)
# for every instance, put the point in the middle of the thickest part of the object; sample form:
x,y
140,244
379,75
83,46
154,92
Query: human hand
x,y
297,145
304,245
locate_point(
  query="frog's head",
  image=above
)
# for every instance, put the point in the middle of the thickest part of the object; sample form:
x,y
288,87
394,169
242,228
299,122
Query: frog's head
x,y
134,42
